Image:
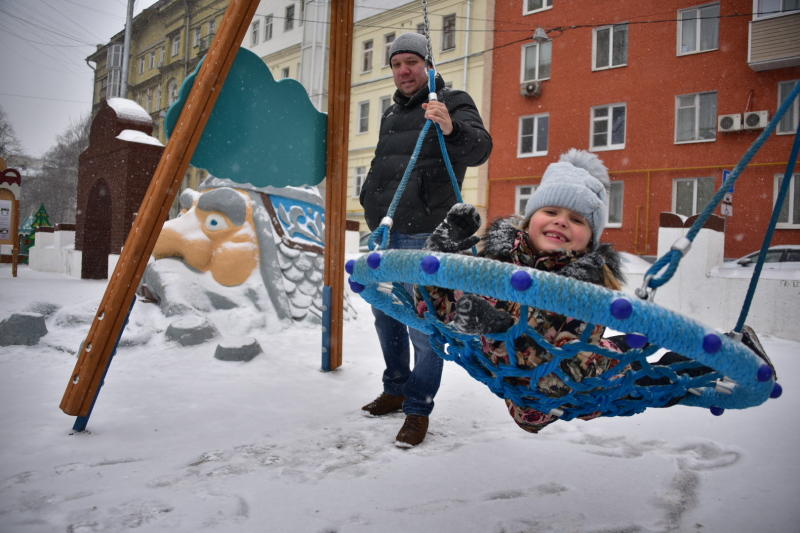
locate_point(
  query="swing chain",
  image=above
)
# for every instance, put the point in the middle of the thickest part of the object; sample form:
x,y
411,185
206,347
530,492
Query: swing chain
x,y
646,292
426,29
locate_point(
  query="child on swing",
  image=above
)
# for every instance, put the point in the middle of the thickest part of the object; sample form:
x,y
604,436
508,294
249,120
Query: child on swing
x,y
560,233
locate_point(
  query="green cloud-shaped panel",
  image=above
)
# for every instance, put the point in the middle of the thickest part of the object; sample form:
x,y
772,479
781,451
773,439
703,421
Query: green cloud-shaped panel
x,y
261,131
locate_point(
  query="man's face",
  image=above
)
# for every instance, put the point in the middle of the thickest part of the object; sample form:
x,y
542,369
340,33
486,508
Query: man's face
x,y
410,73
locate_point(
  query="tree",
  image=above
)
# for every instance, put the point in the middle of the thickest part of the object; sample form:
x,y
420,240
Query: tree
x,y
9,143
57,185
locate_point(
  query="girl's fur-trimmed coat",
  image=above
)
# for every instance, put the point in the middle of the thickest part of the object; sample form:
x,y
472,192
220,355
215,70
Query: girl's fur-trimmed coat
x,y
505,241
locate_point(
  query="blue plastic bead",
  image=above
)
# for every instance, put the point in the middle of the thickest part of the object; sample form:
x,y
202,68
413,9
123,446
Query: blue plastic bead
x,y
764,373
374,260
349,266
621,308
777,390
636,340
429,264
521,280
712,343
717,411
355,286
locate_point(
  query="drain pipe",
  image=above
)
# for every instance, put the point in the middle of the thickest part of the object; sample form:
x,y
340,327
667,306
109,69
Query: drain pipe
x,y
126,50
466,43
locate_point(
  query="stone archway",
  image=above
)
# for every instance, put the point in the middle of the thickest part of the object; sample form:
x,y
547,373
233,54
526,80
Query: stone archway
x,y
97,232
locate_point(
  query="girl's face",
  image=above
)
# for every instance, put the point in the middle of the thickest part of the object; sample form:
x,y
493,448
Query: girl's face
x,y
559,228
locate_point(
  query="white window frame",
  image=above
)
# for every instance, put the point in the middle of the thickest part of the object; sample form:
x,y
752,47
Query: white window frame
x,y
255,32
285,73
388,39
288,21
172,91
697,113
609,120
698,29
196,36
616,197
141,65
114,81
448,34
363,117
385,102
788,123
152,60
536,49
176,44
367,48
783,11
358,180
212,27
790,202
527,9
534,134
268,19
114,56
521,195
696,207
613,35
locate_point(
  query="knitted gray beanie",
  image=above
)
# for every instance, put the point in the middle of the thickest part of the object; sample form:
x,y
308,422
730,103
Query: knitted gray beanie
x,y
578,181
411,43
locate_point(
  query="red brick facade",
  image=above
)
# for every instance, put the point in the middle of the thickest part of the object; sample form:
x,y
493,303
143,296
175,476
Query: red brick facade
x,y
646,86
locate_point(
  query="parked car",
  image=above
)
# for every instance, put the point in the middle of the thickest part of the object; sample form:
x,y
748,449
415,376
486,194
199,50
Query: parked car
x,y
780,257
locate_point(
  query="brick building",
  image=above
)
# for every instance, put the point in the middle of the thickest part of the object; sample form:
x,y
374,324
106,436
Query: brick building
x,y
668,93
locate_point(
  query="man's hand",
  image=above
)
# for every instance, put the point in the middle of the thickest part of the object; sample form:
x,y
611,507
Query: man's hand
x,y
437,112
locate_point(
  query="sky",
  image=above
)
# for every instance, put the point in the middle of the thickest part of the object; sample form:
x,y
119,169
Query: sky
x,y
46,84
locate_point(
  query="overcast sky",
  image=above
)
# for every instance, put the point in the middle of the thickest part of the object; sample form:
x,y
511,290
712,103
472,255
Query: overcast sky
x,y
45,82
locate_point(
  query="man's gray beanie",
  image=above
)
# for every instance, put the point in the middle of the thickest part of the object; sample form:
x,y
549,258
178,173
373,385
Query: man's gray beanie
x,y
579,182
410,43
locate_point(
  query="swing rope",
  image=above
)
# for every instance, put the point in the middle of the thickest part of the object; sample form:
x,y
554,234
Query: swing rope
x,y
670,261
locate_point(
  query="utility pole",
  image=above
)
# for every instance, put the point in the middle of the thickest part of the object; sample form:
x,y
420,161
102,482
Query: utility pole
x,y
126,51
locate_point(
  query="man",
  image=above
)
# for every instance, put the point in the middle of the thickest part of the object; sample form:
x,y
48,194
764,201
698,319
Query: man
x,y
424,204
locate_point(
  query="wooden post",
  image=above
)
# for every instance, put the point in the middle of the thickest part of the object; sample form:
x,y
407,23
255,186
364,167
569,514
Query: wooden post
x,y
99,346
339,80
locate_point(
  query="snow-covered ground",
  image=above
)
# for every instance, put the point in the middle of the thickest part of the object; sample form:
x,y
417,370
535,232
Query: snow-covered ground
x,y
180,441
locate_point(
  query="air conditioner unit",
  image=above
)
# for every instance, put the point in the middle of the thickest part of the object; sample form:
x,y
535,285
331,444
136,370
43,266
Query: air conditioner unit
x,y
754,120
530,88
731,122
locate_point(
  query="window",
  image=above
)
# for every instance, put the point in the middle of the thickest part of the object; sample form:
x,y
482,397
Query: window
x,y
112,89
698,29
771,8
212,27
691,195
421,29
788,123
149,100
386,101
615,197
114,58
532,6
521,197
254,30
284,73
288,21
366,56
536,61
176,45
162,56
268,27
172,91
152,60
610,46
448,32
789,216
196,36
388,39
608,127
533,132
158,101
696,117
141,65
363,117
361,175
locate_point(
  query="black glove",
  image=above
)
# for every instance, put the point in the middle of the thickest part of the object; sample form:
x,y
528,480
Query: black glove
x,y
476,315
457,231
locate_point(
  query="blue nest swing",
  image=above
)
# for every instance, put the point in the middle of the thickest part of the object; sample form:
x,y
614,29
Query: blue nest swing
x,y
717,371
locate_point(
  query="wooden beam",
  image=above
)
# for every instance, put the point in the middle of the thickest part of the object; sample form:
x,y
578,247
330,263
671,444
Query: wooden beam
x,y
99,346
339,81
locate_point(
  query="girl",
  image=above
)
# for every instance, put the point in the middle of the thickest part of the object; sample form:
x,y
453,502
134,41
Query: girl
x,y
560,233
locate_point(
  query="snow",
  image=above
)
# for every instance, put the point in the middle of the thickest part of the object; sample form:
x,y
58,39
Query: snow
x,y
129,110
140,137
180,441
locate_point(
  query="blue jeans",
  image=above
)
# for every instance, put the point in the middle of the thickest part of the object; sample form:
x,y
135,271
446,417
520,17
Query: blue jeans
x,y
419,385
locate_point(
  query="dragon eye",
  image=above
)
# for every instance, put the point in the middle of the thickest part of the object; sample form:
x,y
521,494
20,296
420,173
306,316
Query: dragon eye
x,y
215,223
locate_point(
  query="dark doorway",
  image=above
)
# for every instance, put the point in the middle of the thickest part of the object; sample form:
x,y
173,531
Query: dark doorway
x,y
97,233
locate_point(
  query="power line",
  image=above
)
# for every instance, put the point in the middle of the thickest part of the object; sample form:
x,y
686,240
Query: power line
x,y
45,98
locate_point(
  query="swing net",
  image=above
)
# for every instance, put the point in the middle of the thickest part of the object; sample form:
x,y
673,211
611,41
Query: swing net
x,y
713,370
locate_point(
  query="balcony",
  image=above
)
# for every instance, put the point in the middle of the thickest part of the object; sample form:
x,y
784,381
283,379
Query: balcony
x,y
774,42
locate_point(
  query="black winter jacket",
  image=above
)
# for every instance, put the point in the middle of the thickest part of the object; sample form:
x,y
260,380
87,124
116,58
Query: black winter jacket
x,y
429,193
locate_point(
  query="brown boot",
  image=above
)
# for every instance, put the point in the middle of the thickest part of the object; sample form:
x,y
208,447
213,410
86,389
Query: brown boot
x,y
413,431
383,405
